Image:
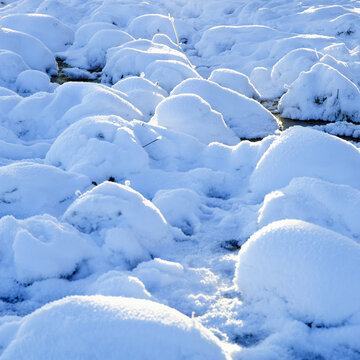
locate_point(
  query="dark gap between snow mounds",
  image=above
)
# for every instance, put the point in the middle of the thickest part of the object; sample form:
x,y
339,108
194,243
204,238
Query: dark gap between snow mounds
x,y
286,123
67,73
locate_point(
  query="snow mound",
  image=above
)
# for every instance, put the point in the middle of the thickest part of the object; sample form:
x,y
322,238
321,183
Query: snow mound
x,y
190,114
45,115
245,116
236,81
11,65
134,83
116,283
94,52
301,151
288,68
306,267
32,81
146,26
51,31
32,50
28,189
142,93
100,147
169,73
181,208
321,93
109,328
138,223
41,247
133,57
121,13
332,206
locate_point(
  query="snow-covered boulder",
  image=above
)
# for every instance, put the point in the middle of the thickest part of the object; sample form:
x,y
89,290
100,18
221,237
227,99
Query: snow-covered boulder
x,y
181,208
301,151
133,57
100,147
45,115
288,68
142,93
109,328
32,81
51,31
322,93
117,283
245,116
132,225
236,81
190,114
28,189
134,83
11,65
308,269
146,26
39,248
94,52
169,73
121,13
332,206
32,50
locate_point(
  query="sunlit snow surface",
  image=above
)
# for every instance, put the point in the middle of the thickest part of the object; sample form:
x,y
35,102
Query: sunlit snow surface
x,y
151,207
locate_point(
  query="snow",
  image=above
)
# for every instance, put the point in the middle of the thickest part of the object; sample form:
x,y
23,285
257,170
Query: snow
x,y
334,97
320,202
108,326
190,114
33,51
319,287
236,81
137,222
156,199
32,81
133,57
99,147
23,184
55,35
306,152
245,116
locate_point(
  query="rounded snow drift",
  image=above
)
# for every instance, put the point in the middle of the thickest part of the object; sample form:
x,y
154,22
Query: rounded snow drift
x,y
98,327
312,270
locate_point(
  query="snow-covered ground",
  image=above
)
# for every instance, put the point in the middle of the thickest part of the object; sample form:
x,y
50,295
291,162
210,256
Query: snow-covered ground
x,y
152,207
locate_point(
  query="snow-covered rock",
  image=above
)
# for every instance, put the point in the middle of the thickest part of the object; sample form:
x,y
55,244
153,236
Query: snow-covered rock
x,y
100,147
308,269
301,151
109,327
236,81
136,227
190,114
33,51
32,81
51,31
322,93
245,116
133,57
28,189
332,206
